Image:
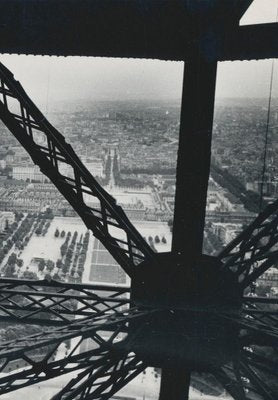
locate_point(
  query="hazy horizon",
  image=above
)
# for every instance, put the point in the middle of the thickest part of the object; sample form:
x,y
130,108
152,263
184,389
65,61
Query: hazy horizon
x,y
53,79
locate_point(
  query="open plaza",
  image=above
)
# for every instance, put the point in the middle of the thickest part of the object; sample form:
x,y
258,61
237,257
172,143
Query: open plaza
x,y
99,266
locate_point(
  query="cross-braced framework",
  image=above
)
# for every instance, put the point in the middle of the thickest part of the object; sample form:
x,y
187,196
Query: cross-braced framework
x,y
255,250
58,161
107,338
94,343
57,303
104,381
185,312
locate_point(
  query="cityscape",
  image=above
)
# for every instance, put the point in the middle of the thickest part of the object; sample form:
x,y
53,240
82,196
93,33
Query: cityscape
x,y
130,147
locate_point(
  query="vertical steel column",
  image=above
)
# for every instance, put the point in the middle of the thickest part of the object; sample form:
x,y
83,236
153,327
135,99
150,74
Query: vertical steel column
x,y
193,164
174,384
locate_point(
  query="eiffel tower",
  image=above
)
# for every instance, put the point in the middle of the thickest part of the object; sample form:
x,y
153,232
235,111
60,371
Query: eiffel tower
x,y
184,311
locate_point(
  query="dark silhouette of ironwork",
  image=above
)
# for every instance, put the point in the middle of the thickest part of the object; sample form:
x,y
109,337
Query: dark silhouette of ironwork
x,y
255,250
162,29
212,296
185,311
57,303
48,149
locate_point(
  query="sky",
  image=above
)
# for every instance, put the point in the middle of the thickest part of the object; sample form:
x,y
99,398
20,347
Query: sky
x,y
48,79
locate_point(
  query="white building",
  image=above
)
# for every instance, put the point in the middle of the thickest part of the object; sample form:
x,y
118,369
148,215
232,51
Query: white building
x,y
29,173
95,166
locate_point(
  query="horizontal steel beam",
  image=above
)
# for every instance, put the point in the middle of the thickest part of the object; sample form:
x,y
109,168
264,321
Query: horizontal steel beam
x,y
249,42
12,283
162,29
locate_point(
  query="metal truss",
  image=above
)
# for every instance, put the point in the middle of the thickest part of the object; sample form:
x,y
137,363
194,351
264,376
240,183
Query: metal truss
x,y
255,250
55,303
246,377
58,161
104,381
89,328
256,330
40,356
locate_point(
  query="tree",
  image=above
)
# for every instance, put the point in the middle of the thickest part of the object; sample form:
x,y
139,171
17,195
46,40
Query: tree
x,y
150,238
59,263
19,262
41,265
47,276
56,277
63,234
156,239
50,265
164,239
56,234
49,213
12,259
10,270
38,231
63,249
30,275
69,253
65,267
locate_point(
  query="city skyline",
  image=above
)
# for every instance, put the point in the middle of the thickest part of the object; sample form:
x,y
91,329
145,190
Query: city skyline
x,y
50,79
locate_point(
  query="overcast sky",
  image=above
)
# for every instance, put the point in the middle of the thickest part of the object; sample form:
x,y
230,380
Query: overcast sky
x,y
57,78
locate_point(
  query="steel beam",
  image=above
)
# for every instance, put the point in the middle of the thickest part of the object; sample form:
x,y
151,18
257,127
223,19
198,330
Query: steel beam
x,y
77,184
174,384
57,303
140,28
164,29
254,251
249,42
102,382
193,164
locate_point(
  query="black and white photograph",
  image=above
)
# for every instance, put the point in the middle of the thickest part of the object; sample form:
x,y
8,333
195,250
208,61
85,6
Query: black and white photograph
x,y
138,200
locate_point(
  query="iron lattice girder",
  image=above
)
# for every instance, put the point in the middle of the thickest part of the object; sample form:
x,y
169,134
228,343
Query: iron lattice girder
x,y
233,385
94,342
30,128
260,362
251,373
56,303
256,244
242,381
255,330
101,383
57,160
88,326
255,250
